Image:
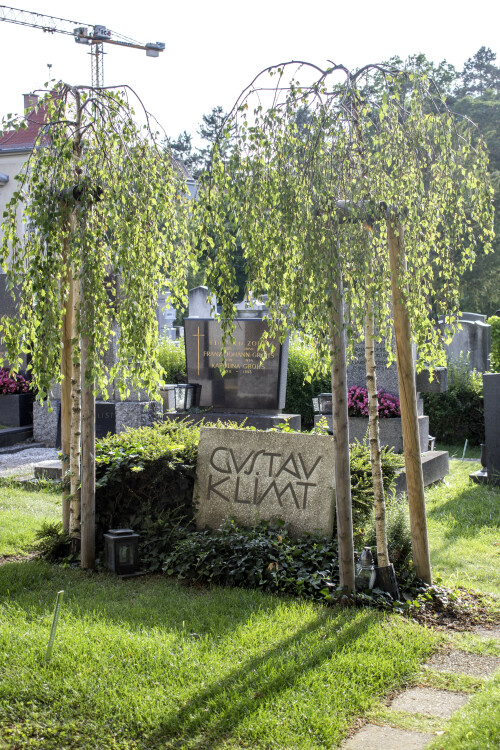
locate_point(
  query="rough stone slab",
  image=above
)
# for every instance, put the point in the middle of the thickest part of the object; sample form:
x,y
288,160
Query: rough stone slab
x,y
429,702
137,414
459,662
252,476
48,470
387,738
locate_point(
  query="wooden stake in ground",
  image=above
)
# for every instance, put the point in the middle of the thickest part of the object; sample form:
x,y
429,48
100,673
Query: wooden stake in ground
x,y
341,438
76,430
408,400
88,466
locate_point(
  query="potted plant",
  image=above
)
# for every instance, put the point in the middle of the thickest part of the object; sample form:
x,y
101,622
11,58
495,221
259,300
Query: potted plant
x,y
16,399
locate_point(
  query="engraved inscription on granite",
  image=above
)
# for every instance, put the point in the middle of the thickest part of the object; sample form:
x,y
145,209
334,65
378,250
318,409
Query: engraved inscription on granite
x,y
253,476
249,383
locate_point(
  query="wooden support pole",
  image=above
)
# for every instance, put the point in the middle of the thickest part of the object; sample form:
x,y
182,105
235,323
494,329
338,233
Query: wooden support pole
x,y
341,438
88,466
76,428
66,356
408,399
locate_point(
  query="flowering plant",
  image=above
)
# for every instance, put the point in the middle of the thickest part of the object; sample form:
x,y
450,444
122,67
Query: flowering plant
x,y
12,383
357,403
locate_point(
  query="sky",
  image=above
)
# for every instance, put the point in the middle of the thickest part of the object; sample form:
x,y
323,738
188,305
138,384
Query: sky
x,y
214,49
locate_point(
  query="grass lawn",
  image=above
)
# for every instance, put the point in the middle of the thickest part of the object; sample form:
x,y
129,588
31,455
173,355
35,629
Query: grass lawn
x,y
457,451
464,530
21,513
147,663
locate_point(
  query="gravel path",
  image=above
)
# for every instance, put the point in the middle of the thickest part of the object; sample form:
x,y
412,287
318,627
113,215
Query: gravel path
x,y
22,462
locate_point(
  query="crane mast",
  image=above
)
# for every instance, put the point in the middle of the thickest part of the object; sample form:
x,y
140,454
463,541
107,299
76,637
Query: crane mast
x,y
94,35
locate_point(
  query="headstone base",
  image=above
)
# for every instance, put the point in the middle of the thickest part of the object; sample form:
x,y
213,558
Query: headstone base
x,y
259,421
435,466
482,477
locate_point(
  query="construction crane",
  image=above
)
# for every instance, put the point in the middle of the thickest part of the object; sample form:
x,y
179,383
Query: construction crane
x,y
95,35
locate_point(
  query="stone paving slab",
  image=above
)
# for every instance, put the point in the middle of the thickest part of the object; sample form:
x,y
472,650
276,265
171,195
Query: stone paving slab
x,y
429,701
387,738
459,662
488,632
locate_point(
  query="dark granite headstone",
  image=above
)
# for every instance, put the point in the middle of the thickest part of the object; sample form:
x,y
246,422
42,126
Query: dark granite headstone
x,y
105,420
491,391
248,384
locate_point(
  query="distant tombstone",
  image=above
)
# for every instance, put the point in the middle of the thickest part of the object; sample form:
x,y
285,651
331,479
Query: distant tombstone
x,y
387,376
200,304
249,384
471,343
165,315
251,476
491,390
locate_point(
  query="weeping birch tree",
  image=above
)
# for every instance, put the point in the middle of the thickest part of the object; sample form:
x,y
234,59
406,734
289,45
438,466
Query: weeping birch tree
x,y
379,153
104,214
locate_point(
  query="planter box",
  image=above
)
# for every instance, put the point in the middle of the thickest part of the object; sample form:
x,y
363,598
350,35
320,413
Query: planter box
x,y
389,429
16,409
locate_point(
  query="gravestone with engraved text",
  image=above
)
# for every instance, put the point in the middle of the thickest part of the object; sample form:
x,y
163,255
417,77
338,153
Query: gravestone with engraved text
x,y
252,476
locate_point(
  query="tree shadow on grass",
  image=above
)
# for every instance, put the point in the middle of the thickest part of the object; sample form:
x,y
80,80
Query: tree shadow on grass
x,y
465,513
142,603
212,715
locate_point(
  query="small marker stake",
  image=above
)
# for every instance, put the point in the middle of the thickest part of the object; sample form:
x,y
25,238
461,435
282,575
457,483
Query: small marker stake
x,y
55,620
465,449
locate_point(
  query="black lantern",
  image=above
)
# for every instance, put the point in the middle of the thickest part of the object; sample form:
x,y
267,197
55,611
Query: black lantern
x,y
121,551
187,395
322,403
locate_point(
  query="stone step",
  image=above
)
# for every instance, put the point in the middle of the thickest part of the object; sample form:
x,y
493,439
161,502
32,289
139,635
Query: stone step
x,y
429,702
13,435
48,470
387,738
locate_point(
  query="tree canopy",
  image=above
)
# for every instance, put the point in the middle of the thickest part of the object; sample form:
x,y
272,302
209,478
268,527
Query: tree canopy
x,y
101,197
378,137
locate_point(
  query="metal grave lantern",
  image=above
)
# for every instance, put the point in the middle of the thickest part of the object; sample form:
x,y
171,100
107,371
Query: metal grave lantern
x,y
187,395
121,551
322,403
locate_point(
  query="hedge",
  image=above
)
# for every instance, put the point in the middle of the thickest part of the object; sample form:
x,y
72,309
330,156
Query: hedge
x,y
458,414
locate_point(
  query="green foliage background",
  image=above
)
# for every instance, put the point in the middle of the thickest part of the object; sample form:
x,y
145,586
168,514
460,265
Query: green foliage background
x,y
494,322
457,414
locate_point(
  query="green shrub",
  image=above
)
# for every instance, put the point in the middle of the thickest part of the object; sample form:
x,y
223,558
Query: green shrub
x,y
494,322
264,557
398,537
299,393
362,484
51,542
145,480
457,414
172,357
